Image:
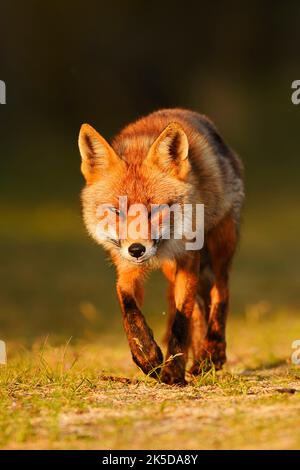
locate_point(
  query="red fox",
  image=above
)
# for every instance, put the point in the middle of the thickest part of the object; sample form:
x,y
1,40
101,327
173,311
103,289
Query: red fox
x,y
172,156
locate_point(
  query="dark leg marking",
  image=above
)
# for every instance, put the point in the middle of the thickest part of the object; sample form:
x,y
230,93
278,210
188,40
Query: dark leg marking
x,y
145,352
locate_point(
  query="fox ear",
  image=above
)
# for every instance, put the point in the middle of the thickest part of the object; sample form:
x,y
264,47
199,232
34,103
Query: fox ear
x,y
96,154
170,151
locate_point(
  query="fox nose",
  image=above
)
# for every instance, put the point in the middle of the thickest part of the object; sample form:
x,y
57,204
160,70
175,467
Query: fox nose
x,y
136,250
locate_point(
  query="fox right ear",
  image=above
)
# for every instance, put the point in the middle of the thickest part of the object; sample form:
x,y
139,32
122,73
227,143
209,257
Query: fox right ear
x,y
96,154
170,150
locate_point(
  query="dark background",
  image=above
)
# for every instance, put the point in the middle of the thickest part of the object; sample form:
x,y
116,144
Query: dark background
x,y
106,63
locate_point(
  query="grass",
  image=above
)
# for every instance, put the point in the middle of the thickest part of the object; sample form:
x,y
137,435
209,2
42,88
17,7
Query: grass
x,y
89,395
85,392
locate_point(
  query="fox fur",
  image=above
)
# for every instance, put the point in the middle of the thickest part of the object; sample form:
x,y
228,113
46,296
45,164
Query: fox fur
x,y
170,156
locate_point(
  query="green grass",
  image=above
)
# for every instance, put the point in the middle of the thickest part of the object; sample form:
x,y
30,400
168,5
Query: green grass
x,y
61,394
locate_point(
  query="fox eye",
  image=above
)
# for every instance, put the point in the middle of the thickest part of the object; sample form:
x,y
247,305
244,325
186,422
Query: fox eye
x,y
115,210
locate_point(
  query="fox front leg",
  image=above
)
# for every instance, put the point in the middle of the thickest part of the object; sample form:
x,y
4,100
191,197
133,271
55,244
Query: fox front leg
x,y
145,352
186,281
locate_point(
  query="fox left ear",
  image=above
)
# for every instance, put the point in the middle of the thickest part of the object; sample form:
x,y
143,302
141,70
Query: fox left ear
x,y
170,151
96,154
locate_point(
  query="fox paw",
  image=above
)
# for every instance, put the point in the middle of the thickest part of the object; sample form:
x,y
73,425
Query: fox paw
x,y
173,374
213,355
149,363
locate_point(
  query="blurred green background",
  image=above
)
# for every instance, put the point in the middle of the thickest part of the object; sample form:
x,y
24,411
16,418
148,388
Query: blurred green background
x,y
107,63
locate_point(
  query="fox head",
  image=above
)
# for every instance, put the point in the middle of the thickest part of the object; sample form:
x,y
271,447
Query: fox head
x,y
132,185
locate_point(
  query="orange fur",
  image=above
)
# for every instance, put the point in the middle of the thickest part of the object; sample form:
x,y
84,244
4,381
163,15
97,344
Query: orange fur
x,y
171,156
